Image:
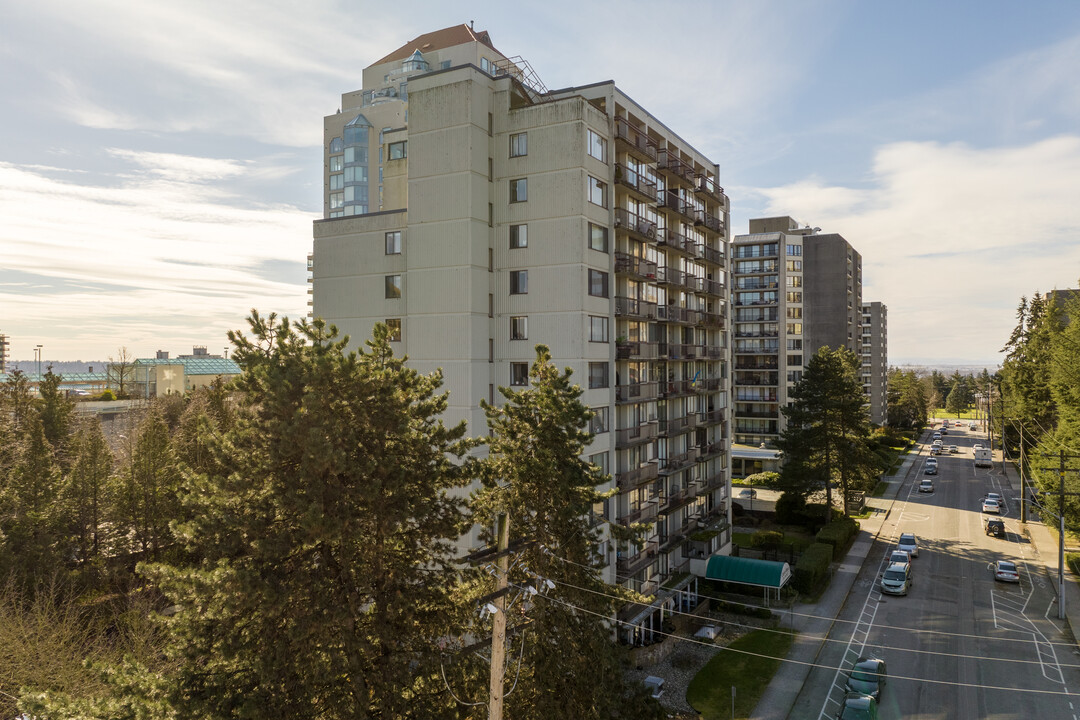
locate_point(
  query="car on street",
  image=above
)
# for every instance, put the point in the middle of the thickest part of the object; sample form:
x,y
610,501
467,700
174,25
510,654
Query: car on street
x,y
1006,571
953,449
977,446
973,426
944,429
748,493
937,435
926,486
930,469
867,677
935,450
991,505
994,526
899,556
896,580
857,706
994,496
909,544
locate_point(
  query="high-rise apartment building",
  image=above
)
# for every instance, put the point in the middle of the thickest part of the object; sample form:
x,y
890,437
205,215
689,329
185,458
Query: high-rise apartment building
x,y
478,214
794,291
875,359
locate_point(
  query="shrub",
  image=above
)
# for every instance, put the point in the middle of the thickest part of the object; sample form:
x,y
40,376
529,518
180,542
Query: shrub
x,y
766,538
790,508
107,395
812,567
837,535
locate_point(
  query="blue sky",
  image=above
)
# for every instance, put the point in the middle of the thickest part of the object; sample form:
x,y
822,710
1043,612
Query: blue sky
x,y
161,162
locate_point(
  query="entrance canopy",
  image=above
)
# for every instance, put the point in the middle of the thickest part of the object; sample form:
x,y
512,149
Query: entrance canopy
x,y
747,571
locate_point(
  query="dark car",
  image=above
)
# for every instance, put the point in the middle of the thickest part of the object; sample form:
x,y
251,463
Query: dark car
x,y
994,526
867,677
857,706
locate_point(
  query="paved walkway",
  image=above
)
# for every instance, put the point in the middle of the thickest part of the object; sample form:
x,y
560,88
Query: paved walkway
x,y
779,697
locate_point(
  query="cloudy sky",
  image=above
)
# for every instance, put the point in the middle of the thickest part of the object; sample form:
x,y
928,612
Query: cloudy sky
x,y
160,163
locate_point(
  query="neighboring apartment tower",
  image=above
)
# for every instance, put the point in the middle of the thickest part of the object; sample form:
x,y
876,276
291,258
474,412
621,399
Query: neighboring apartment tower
x,y
794,291
478,214
875,359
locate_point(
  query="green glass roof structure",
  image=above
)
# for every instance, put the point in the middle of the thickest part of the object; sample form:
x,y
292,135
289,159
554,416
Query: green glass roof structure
x,y
748,571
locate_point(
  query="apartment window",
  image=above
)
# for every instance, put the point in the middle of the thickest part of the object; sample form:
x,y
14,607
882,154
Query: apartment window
x,y
519,190
393,286
794,297
491,124
491,170
394,326
599,422
598,237
794,359
794,249
491,350
336,163
485,65
795,344
598,283
794,328
337,200
794,280
491,260
336,145
597,146
519,145
397,150
337,182
393,243
598,329
519,374
519,282
794,313
491,215
794,376
491,305
600,460
794,265
597,192
519,328
599,375
519,236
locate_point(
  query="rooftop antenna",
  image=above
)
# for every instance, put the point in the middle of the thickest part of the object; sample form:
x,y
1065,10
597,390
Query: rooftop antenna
x,y
472,26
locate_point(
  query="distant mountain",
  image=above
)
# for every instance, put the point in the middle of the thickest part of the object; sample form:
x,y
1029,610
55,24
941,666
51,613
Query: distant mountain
x,y
945,369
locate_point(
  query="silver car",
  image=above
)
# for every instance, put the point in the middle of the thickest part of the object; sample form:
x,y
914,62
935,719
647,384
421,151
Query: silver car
x,y
908,544
896,580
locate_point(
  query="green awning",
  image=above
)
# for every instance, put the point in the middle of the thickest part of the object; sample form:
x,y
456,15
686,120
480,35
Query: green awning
x,y
747,571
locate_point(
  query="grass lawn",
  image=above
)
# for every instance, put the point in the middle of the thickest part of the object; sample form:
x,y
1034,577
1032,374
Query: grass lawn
x,y
710,690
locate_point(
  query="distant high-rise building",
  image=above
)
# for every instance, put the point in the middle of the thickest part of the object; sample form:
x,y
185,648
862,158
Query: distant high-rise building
x,y
794,291
4,345
478,214
875,359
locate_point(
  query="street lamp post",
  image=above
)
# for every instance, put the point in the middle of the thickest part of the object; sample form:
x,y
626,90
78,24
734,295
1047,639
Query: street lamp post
x,y
37,357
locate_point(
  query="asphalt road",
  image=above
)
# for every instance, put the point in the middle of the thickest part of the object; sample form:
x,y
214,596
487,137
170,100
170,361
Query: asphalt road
x,y
959,645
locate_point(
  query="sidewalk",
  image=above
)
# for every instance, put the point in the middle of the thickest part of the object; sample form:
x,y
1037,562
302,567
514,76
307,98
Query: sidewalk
x,y
1045,547
780,695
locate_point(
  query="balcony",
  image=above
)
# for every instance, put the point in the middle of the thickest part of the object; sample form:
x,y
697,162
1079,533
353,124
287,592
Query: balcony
x,y
762,414
676,388
676,241
709,319
755,348
681,351
749,316
715,481
677,498
759,334
750,364
635,225
666,275
634,141
711,450
641,512
636,563
711,222
764,379
766,396
628,437
712,417
632,308
630,350
670,162
637,392
756,284
708,385
710,287
678,425
633,478
676,463
635,266
708,187
749,303
672,201
641,186
715,256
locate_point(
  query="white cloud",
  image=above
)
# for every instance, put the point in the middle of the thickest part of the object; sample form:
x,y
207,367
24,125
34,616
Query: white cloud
x,y
156,256
952,236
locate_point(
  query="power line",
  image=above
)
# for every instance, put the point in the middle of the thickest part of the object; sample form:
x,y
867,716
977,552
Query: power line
x,y
694,641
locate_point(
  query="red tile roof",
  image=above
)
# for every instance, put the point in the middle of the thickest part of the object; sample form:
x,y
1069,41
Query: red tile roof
x,y
447,37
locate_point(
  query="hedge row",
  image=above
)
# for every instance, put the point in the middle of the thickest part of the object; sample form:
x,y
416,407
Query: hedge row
x,y
837,535
812,567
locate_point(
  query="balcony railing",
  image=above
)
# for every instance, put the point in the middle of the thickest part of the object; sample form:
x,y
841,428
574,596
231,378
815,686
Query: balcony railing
x,y
626,437
637,392
707,186
628,350
635,181
632,478
675,240
712,319
747,303
678,425
711,287
756,284
712,417
666,275
715,256
635,224
670,162
711,450
633,308
708,385
641,512
636,563
676,388
636,266
636,141
748,316
671,201
678,462
747,364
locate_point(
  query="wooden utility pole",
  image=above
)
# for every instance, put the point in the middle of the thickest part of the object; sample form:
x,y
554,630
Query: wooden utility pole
x,y
498,629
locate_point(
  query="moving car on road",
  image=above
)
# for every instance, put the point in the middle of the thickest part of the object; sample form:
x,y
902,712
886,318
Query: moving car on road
x,y
867,677
927,486
990,505
994,526
896,580
1005,570
899,556
954,450
908,544
748,493
931,468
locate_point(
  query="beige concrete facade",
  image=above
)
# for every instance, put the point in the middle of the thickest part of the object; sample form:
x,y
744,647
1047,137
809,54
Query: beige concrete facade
x,y
874,355
514,216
